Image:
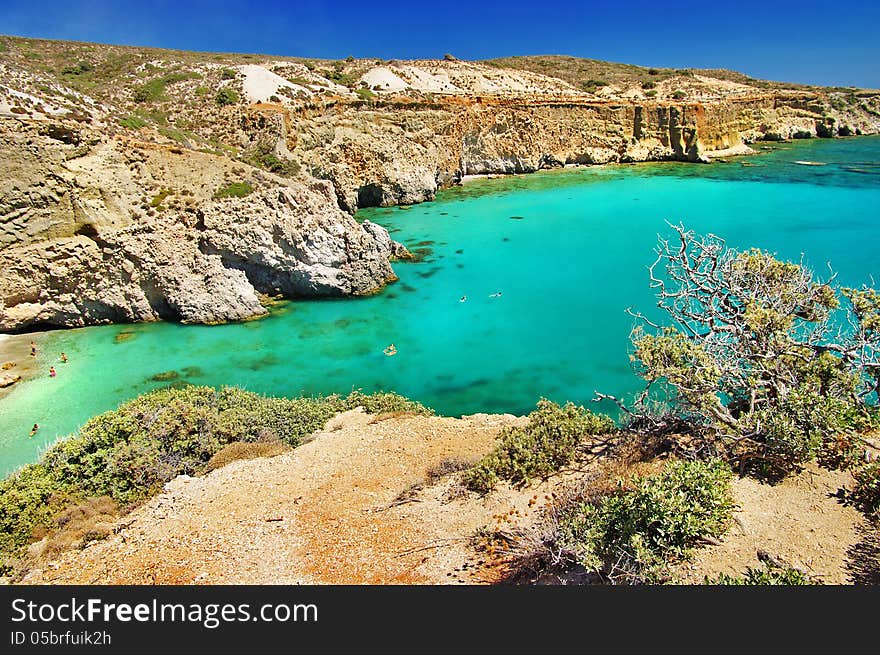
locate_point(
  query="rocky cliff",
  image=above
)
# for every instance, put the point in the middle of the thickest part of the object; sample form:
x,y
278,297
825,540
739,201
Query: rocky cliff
x,y
139,184
113,232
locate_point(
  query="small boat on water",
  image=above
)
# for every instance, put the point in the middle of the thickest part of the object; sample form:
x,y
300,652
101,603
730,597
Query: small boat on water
x,y
809,163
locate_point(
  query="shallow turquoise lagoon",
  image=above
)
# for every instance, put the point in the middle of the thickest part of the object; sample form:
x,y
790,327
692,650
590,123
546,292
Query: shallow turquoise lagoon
x,y
568,252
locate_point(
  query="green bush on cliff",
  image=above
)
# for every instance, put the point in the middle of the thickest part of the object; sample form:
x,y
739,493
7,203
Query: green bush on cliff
x,y
234,190
768,575
263,156
130,452
546,444
154,89
132,122
592,85
633,535
79,69
866,489
226,96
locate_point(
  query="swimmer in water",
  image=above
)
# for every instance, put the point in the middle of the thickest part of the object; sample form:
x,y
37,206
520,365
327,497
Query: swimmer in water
x,y
390,350
497,294
34,429
63,358
51,371
462,299
33,349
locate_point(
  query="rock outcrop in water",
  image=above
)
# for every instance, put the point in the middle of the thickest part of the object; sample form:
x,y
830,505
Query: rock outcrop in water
x,y
127,193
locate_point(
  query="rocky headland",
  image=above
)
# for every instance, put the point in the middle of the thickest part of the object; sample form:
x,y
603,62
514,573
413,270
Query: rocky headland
x,y
140,184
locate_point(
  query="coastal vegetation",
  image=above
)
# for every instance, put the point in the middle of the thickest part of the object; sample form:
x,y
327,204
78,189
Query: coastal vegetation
x,y
769,574
154,89
546,444
632,535
234,190
226,96
766,361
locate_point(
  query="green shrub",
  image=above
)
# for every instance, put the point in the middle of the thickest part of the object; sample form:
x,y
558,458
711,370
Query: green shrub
x,y
227,74
542,447
234,190
866,488
766,370
344,79
592,85
79,69
154,90
649,84
365,94
149,91
175,135
768,575
632,536
262,156
28,499
159,198
226,96
132,122
651,94
679,95
385,403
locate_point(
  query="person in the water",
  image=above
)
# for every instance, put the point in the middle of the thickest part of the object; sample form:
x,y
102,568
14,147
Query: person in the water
x,y
33,349
63,358
390,350
51,371
497,294
34,429
462,299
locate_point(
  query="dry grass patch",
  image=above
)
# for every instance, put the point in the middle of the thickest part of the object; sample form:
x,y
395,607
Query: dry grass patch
x,y
75,527
240,450
446,467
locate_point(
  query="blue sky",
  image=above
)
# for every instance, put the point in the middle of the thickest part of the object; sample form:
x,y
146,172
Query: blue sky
x,y
798,41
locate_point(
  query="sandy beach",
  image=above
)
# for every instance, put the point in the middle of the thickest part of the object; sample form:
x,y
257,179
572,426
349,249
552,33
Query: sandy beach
x,y
15,348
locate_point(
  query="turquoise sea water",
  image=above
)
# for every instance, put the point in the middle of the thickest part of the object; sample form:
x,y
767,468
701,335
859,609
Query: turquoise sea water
x,y
568,251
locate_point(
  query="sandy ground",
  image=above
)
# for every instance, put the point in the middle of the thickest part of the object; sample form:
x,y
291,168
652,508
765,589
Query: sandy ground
x,y
384,80
16,349
260,83
800,521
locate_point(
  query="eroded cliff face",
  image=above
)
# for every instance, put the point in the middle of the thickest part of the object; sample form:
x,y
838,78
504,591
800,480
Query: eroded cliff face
x,y
381,155
78,247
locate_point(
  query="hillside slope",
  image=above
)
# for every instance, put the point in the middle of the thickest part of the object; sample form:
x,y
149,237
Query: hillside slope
x,y
376,500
